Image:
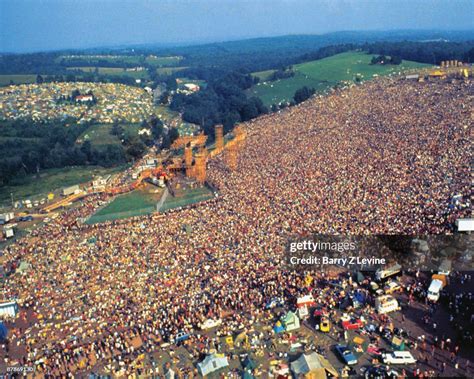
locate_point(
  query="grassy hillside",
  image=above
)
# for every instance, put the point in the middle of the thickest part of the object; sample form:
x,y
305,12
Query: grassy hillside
x,y
323,74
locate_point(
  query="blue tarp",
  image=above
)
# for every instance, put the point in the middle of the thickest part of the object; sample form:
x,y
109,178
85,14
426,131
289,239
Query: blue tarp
x,y
360,297
3,332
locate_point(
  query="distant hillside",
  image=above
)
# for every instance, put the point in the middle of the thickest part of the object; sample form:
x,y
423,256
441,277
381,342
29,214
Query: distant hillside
x,y
250,55
323,74
265,53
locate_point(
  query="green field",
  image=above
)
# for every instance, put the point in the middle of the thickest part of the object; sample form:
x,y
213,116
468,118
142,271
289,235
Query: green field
x,y
6,80
192,196
132,204
163,61
142,202
263,75
169,70
323,74
30,187
99,134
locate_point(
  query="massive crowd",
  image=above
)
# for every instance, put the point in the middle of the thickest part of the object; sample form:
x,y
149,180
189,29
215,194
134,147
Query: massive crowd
x,y
45,102
384,157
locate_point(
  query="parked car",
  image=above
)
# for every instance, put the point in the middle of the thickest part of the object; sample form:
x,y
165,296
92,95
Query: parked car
x,y
324,325
351,323
320,311
398,358
373,349
25,218
392,287
181,337
346,354
275,302
210,323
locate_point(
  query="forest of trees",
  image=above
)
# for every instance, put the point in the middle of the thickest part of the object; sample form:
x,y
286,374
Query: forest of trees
x,y
29,147
425,52
223,101
303,94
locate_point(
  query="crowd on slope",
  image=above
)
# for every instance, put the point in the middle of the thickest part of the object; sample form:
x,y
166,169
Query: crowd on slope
x,y
384,157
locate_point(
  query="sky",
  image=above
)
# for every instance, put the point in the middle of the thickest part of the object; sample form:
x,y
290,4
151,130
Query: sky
x,y
37,25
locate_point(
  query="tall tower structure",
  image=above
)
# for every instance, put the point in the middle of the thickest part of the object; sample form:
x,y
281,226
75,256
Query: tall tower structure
x,y
188,160
234,147
219,133
239,134
200,165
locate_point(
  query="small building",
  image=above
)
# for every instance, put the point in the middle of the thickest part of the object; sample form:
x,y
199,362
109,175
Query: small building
x,y
412,77
84,98
192,87
437,74
70,190
8,309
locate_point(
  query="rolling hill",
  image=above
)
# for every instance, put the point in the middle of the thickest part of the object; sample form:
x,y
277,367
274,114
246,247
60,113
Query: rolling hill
x,y
323,74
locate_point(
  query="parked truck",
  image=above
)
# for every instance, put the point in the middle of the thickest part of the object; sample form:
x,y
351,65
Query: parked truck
x,y
393,270
434,290
6,217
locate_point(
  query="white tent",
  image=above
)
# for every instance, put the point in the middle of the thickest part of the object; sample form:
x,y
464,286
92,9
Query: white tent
x,y
312,365
212,363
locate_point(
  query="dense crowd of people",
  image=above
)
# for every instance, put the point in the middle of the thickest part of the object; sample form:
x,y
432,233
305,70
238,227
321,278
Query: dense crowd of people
x,y
55,101
389,156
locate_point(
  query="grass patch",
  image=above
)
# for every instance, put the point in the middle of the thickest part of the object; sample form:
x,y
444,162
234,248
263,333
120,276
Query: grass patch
x,y
142,202
6,80
136,203
325,73
169,70
51,180
163,61
191,196
99,134
263,75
